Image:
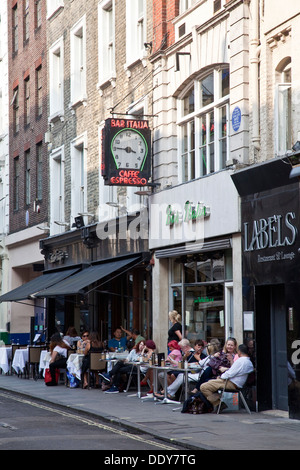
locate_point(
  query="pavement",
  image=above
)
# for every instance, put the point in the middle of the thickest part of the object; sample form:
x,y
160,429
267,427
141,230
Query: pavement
x,y
230,430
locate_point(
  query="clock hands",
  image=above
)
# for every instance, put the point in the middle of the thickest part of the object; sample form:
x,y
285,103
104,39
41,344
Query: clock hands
x,y
127,149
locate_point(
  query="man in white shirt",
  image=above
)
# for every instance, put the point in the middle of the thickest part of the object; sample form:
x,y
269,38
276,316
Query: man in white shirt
x,y
236,377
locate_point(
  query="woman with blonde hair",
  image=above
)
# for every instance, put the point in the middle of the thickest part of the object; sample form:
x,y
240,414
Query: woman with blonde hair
x,y
175,332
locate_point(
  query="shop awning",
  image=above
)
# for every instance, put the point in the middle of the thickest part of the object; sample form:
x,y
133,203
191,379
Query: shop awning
x,y
77,283
193,248
31,288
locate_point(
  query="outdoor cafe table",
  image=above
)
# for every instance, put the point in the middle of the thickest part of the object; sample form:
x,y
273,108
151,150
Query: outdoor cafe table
x,y
44,361
166,369
5,357
138,365
20,359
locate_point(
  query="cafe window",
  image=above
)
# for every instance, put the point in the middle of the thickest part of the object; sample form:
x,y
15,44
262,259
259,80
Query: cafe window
x,y
203,125
198,293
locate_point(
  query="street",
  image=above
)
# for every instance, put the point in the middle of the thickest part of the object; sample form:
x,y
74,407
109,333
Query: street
x,y
27,424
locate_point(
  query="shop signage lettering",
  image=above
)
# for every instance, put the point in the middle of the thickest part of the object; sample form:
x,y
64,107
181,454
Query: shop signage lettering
x,y
201,300
126,123
274,232
191,213
58,256
129,178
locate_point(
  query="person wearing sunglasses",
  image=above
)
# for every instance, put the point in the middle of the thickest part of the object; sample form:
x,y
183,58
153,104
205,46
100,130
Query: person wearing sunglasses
x,y
81,344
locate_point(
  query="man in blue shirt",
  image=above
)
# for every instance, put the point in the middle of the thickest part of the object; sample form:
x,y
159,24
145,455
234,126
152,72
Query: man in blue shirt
x,y
117,341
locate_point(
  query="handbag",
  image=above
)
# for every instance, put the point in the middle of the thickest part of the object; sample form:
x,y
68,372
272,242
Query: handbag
x,y
48,377
216,362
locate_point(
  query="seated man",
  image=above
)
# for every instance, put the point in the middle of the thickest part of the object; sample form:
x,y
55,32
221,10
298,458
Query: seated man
x,y
236,377
117,341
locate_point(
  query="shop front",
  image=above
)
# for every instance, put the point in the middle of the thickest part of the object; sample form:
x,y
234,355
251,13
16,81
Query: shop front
x,y
271,281
95,277
111,285
197,258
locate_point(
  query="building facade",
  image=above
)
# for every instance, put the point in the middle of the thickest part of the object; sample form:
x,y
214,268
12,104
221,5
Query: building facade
x,y
28,180
98,70
4,159
269,206
201,73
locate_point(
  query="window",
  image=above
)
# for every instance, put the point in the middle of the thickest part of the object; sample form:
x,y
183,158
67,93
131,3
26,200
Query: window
x,y
185,5
39,92
283,107
78,62
136,34
56,79
38,13
53,6
27,178
78,176
15,29
203,126
15,104
39,171
26,21
27,101
106,41
57,191
16,183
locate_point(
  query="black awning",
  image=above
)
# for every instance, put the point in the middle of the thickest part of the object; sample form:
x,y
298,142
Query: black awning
x,y
193,248
77,283
31,288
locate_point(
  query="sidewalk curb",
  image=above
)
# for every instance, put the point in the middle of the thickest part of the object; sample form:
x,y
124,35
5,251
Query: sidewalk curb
x,y
113,420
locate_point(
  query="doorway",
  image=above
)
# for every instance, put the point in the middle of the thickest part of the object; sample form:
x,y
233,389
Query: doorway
x,y
271,350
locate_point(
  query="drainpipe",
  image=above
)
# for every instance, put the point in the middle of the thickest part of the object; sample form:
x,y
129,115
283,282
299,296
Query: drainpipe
x,y
255,49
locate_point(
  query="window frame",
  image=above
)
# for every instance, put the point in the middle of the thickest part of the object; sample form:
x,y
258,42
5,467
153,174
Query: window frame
x,y
135,39
283,107
78,176
106,41
56,79
78,62
205,118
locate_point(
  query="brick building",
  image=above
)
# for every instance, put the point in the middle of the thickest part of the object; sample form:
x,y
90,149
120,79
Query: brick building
x,y
28,171
98,69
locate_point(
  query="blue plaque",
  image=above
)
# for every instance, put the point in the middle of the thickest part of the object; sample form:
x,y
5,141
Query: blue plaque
x,y
236,119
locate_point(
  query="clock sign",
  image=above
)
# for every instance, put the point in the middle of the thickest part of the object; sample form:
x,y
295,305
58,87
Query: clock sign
x,y
126,155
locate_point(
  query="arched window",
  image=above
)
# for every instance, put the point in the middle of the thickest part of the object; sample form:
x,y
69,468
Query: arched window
x,y
283,107
203,125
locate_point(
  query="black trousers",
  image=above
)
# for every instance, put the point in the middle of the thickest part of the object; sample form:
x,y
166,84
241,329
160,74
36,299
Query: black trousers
x,y
59,364
119,368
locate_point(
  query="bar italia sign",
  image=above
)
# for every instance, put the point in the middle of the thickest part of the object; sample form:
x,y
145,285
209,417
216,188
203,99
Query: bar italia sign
x,y
190,213
275,232
126,152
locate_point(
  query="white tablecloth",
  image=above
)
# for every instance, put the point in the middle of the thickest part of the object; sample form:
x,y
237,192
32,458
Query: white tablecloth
x,y
44,361
19,360
74,364
5,357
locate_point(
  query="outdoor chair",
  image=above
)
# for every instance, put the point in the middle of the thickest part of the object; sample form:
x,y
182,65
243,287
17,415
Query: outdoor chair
x,y
34,354
239,391
96,365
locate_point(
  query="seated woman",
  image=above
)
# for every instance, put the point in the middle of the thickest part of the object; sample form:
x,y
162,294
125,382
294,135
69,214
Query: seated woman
x,y
220,361
93,345
174,357
71,337
81,343
114,376
58,351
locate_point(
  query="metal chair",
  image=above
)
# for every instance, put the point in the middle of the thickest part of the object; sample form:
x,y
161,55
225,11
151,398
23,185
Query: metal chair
x,y
239,391
97,364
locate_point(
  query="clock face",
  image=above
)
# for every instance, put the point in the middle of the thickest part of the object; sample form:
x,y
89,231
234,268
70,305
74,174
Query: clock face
x,y
129,149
